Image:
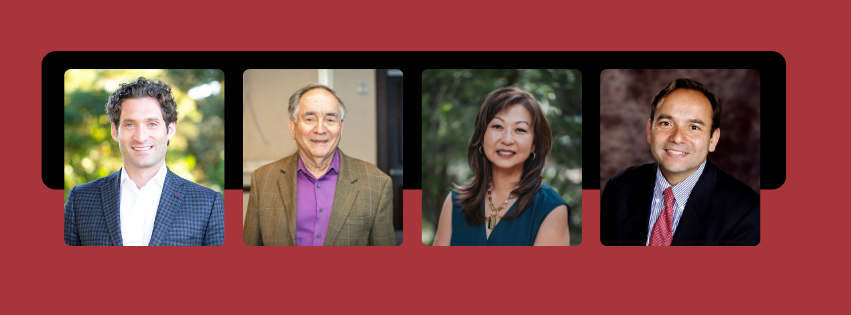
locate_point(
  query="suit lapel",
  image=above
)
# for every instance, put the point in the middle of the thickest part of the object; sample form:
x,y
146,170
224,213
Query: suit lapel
x,y
638,208
698,209
111,196
170,200
344,198
287,188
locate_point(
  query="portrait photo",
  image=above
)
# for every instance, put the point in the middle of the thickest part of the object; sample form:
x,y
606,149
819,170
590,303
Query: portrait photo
x,y
144,157
680,157
502,157
322,157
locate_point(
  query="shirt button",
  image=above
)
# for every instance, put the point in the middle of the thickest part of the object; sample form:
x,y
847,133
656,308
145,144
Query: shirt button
x,y
318,235
318,186
320,209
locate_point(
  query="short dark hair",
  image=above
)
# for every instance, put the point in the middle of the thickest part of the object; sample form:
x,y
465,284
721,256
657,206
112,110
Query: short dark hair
x,y
472,195
142,88
689,84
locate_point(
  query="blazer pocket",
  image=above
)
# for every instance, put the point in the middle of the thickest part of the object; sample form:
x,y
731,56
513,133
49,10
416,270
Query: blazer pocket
x,y
184,233
184,237
358,220
355,232
189,241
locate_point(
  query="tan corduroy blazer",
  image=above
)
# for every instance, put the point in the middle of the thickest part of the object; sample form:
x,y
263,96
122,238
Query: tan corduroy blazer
x,y
362,213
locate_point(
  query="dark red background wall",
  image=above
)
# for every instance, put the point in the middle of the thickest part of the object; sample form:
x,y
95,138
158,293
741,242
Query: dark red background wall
x,y
800,266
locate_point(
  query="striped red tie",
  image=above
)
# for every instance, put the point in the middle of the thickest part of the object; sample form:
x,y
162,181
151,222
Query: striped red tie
x,y
663,231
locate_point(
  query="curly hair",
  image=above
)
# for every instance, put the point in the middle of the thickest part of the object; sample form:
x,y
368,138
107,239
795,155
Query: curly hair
x,y
142,88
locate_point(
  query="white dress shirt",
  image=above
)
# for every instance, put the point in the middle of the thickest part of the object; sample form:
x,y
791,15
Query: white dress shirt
x,y
139,208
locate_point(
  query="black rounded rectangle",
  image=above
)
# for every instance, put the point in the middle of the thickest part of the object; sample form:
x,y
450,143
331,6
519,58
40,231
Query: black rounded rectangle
x,y
771,65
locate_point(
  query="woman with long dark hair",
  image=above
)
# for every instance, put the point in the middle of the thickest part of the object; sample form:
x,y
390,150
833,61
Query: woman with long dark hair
x,y
506,202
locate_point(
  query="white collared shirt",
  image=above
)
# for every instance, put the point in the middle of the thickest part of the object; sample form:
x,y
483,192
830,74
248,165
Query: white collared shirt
x,y
139,208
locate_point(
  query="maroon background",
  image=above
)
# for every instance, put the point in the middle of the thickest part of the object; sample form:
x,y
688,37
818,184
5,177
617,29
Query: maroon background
x,y
801,265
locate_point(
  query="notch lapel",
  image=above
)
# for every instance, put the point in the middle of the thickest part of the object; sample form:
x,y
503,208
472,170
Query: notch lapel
x,y
638,209
287,189
110,193
344,198
169,205
698,209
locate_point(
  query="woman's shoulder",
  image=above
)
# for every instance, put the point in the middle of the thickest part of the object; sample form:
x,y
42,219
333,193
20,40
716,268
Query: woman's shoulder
x,y
455,191
454,195
549,196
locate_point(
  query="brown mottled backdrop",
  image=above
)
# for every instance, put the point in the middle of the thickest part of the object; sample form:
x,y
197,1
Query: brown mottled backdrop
x,y
625,97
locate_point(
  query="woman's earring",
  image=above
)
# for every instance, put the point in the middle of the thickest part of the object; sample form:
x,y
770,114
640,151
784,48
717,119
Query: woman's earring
x,y
480,150
533,155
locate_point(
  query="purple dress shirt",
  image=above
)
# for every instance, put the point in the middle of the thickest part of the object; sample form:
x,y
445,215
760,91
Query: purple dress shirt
x,y
315,201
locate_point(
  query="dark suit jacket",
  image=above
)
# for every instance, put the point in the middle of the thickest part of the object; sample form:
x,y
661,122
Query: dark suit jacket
x,y
721,210
362,213
188,214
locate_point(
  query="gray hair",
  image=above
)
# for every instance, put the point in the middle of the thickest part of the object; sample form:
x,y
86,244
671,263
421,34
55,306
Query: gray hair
x,y
293,108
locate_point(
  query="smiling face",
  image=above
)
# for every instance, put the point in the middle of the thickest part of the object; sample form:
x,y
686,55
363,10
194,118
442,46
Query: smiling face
x,y
319,128
509,139
679,135
142,134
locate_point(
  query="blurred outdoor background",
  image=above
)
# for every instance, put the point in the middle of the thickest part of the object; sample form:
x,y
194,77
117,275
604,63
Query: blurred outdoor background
x,y
451,100
625,97
197,152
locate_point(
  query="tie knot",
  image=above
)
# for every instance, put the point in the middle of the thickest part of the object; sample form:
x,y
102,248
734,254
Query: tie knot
x,y
669,197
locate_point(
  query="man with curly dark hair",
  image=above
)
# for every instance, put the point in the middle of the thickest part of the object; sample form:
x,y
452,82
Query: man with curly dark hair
x,y
143,204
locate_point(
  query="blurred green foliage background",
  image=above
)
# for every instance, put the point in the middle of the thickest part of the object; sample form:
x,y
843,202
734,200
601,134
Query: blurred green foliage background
x,y
197,151
451,100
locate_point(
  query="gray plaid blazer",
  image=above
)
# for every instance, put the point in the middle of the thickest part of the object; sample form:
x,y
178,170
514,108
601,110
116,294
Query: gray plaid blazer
x,y
362,213
188,214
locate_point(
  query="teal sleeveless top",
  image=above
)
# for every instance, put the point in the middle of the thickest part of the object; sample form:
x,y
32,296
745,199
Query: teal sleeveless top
x,y
520,231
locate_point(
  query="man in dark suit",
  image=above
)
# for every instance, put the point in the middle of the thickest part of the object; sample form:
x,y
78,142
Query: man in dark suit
x,y
683,199
143,204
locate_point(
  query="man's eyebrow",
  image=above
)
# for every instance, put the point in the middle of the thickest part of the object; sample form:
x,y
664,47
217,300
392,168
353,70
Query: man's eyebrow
x,y
692,120
314,113
697,121
133,120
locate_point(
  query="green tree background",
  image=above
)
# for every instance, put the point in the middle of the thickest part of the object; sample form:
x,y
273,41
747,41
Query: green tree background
x,y
451,99
196,152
